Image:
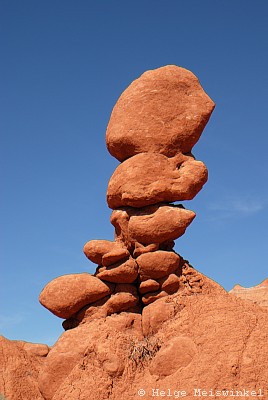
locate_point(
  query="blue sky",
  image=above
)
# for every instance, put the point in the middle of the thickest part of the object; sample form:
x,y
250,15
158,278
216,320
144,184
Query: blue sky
x,y
63,66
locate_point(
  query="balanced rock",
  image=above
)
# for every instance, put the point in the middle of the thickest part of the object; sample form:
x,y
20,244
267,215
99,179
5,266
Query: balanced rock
x,y
164,111
105,252
150,178
159,224
152,224
67,294
152,131
157,264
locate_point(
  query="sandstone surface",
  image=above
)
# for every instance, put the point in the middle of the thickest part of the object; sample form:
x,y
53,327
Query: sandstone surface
x,y
150,178
95,342
67,294
199,337
121,272
150,285
164,111
157,264
170,283
20,363
104,252
152,224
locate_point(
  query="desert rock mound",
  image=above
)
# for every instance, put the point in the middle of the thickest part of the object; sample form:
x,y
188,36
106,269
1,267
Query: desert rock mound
x,y
20,365
200,338
257,294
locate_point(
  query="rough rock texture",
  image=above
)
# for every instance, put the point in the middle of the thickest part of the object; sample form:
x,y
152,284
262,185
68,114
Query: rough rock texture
x,y
199,337
257,294
20,363
157,264
185,341
121,272
164,111
67,294
98,341
105,252
152,224
150,178
150,285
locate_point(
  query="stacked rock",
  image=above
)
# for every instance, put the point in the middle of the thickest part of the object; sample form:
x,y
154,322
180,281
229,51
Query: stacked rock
x,y
152,130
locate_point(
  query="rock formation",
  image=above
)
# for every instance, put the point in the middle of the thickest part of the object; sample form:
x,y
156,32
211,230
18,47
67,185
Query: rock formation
x,y
146,324
200,337
153,128
20,365
256,294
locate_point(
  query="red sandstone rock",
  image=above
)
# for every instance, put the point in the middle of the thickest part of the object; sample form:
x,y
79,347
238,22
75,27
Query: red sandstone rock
x,y
19,368
167,246
149,286
105,252
257,294
67,294
125,297
121,272
95,310
141,249
152,224
150,178
164,111
36,349
170,283
149,298
157,264
159,224
91,347
175,354
207,339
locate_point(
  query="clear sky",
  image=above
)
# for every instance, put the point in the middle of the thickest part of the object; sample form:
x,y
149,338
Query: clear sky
x,y
63,66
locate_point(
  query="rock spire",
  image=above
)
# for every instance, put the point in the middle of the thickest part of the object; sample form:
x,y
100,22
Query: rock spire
x,y
152,130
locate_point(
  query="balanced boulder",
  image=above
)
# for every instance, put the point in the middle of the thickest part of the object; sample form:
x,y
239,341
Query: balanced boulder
x,y
67,294
152,224
163,111
150,178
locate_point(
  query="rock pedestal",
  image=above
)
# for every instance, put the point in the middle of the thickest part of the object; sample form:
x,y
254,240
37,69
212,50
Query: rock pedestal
x,y
152,130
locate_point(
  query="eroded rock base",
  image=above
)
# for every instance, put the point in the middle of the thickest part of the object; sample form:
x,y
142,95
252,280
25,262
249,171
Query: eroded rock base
x,y
199,337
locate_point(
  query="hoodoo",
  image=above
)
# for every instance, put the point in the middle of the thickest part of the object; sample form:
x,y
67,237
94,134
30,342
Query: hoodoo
x,y
147,324
152,130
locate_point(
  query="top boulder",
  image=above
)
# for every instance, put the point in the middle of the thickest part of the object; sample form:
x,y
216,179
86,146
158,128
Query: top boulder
x,y
163,111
